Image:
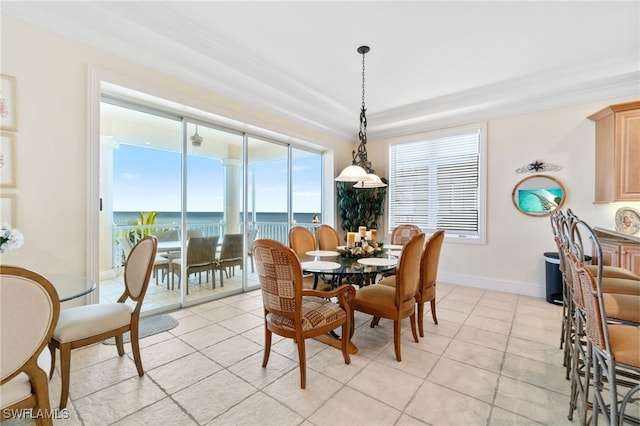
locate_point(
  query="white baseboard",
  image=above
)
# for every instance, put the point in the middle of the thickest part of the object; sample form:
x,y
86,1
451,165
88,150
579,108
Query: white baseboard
x,y
526,289
109,274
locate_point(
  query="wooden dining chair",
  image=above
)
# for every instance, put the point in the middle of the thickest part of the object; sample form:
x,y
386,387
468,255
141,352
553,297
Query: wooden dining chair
x,y
328,238
30,311
301,240
85,325
294,312
426,291
401,234
396,303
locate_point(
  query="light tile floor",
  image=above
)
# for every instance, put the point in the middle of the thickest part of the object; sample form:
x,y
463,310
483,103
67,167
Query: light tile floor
x,y
493,360
158,296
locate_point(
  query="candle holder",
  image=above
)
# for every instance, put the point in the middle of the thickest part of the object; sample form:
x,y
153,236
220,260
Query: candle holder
x,y
362,248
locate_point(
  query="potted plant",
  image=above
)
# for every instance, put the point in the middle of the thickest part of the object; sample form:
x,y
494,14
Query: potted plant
x,y
360,206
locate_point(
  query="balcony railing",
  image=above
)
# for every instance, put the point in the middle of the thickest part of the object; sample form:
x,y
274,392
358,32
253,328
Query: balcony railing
x,y
273,230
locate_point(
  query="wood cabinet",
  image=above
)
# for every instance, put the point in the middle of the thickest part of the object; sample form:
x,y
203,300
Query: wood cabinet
x,y
617,156
623,254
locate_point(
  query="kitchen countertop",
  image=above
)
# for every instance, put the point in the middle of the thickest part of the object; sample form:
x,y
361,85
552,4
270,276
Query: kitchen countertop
x,y
609,233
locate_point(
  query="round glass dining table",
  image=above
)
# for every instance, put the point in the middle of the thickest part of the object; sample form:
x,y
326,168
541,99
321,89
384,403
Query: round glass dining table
x,y
333,267
71,286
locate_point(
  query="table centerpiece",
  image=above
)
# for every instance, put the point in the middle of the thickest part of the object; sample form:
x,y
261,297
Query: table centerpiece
x,y
361,244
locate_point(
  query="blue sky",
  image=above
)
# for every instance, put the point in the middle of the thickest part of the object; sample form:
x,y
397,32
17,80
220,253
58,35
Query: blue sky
x,y
148,179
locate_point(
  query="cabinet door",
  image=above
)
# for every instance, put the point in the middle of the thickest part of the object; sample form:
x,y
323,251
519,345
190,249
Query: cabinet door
x,y
627,154
610,253
630,257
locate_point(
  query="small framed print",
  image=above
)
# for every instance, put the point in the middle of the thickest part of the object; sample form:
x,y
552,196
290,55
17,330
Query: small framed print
x,y
8,102
8,209
7,161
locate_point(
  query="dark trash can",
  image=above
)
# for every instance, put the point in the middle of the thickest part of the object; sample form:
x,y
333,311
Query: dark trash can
x,y
553,277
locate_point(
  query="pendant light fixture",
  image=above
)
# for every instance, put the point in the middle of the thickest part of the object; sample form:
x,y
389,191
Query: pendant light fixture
x,y
196,139
360,169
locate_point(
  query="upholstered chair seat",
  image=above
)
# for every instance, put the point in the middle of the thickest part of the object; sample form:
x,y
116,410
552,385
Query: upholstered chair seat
x,y
89,320
316,312
612,272
379,302
620,286
19,388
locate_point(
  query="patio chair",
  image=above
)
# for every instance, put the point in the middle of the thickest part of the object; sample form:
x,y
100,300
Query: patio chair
x,y
230,256
201,257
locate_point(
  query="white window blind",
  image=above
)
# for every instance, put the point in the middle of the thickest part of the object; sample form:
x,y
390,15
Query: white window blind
x,y
435,183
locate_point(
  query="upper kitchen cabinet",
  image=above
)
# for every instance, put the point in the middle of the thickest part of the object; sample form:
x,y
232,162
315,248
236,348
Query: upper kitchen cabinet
x,y
617,153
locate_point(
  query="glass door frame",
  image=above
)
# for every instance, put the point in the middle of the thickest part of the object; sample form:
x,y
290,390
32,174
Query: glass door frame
x,y
101,82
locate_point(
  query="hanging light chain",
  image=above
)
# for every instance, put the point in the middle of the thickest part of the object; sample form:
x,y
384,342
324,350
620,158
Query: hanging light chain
x,y
362,134
363,117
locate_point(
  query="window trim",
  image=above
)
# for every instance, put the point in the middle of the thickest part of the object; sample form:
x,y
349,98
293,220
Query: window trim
x,y
482,173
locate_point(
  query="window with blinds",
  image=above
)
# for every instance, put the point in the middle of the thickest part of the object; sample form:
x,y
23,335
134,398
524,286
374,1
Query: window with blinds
x,y
435,182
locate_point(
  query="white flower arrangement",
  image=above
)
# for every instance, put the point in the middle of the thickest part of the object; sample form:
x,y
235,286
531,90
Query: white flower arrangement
x,y
10,239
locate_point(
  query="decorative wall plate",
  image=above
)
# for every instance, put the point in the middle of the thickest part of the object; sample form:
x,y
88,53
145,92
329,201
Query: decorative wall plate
x,y
627,220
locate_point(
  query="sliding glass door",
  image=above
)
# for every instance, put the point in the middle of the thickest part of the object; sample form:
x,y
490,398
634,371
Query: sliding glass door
x,y
140,190
206,192
213,183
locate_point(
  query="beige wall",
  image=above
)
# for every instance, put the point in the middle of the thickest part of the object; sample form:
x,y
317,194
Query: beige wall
x,y
52,138
512,260
52,75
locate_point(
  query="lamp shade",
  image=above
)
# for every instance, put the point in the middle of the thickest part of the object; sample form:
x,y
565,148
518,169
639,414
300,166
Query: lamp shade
x,y
371,181
352,174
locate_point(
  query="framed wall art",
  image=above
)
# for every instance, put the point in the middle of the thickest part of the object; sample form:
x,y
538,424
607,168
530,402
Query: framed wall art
x,y
8,103
8,209
538,195
7,161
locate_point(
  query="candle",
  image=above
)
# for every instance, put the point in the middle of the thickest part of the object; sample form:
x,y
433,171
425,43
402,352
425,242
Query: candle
x,y
374,235
357,237
367,236
362,230
351,239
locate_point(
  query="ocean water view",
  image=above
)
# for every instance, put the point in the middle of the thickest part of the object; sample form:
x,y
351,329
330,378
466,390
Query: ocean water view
x,y
173,218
